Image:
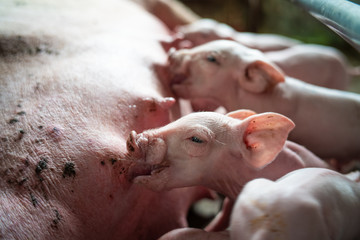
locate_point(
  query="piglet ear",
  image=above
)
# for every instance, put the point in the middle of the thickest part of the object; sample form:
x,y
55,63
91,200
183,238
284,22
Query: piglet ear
x,y
261,76
264,136
241,114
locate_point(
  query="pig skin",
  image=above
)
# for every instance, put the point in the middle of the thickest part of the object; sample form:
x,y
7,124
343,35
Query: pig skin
x,y
236,77
75,78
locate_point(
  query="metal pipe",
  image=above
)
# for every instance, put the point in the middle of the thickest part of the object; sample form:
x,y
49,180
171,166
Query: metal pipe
x,y
342,16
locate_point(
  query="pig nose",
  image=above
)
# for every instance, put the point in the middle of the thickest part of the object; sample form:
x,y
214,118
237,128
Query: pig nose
x,y
179,64
178,57
131,143
172,52
173,57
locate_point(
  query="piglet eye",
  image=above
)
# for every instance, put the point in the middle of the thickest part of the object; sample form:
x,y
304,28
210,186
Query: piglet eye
x,y
211,58
196,140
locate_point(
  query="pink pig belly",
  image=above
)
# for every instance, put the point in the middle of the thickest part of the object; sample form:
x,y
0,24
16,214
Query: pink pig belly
x,y
76,78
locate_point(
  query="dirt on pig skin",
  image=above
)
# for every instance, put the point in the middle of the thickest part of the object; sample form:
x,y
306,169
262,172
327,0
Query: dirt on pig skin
x,y
70,92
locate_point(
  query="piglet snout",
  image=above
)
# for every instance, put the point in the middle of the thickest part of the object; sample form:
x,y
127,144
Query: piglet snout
x,y
177,57
178,68
179,65
132,144
146,148
140,145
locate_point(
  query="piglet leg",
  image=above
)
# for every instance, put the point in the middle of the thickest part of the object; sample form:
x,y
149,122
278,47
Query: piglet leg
x,y
222,219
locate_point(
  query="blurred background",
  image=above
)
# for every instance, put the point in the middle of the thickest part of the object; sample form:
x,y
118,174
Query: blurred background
x,y
275,16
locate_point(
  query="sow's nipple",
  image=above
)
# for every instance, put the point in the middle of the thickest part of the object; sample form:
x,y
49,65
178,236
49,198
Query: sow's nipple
x,y
150,112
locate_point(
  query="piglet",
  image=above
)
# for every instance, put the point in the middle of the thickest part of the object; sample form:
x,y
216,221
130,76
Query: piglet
x,y
309,203
235,77
233,149
312,203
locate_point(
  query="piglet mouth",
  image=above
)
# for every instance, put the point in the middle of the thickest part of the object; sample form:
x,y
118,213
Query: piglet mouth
x,y
178,78
145,163
140,169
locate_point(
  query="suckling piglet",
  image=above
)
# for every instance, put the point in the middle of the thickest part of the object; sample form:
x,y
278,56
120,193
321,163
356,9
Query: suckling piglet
x,y
221,152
